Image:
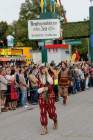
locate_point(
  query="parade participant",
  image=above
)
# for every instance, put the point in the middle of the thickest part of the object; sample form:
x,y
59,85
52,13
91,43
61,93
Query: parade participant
x,y
64,82
46,100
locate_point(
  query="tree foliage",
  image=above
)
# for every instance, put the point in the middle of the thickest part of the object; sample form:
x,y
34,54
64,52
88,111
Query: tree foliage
x,y
28,11
73,30
3,29
83,48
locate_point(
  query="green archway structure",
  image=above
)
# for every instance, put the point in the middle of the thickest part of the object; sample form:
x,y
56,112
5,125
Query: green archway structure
x,y
75,30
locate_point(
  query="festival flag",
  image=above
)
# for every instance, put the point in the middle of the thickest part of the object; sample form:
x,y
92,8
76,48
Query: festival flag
x,y
52,5
52,2
58,3
42,5
45,5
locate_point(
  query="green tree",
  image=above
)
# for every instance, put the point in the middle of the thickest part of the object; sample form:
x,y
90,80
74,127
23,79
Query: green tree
x,y
28,10
3,29
84,46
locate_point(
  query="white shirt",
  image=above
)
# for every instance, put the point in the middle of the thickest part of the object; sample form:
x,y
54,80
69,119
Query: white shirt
x,y
3,83
48,78
10,40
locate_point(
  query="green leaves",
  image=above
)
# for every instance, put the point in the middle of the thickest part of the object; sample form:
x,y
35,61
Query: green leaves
x,y
75,29
3,29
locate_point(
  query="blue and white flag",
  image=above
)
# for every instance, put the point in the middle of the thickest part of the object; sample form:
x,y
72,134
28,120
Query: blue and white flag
x,y
52,5
52,2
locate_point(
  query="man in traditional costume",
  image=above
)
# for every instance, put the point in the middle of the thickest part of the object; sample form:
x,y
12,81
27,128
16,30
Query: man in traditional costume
x,y
46,100
64,82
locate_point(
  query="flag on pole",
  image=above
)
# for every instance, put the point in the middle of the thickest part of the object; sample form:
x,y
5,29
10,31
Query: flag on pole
x,y
52,5
52,2
58,3
45,5
42,5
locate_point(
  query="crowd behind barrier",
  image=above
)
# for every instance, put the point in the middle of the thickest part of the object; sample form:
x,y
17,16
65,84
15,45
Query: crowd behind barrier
x,y
19,85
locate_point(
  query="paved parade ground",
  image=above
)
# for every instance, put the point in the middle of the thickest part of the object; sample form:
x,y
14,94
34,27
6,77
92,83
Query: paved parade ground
x,y
75,121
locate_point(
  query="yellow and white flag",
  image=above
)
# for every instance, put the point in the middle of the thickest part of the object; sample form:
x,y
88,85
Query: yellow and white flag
x,y
42,5
58,3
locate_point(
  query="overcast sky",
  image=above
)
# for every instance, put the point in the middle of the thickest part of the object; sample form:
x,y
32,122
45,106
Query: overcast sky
x,y
76,9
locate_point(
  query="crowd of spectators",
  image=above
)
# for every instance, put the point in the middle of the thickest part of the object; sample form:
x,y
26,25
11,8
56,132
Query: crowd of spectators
x,y
19,84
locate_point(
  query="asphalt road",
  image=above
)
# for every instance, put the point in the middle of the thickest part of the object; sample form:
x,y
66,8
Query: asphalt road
x,y
75,121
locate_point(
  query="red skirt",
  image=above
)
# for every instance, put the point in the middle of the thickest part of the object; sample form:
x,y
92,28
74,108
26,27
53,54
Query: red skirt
x,y
13,93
